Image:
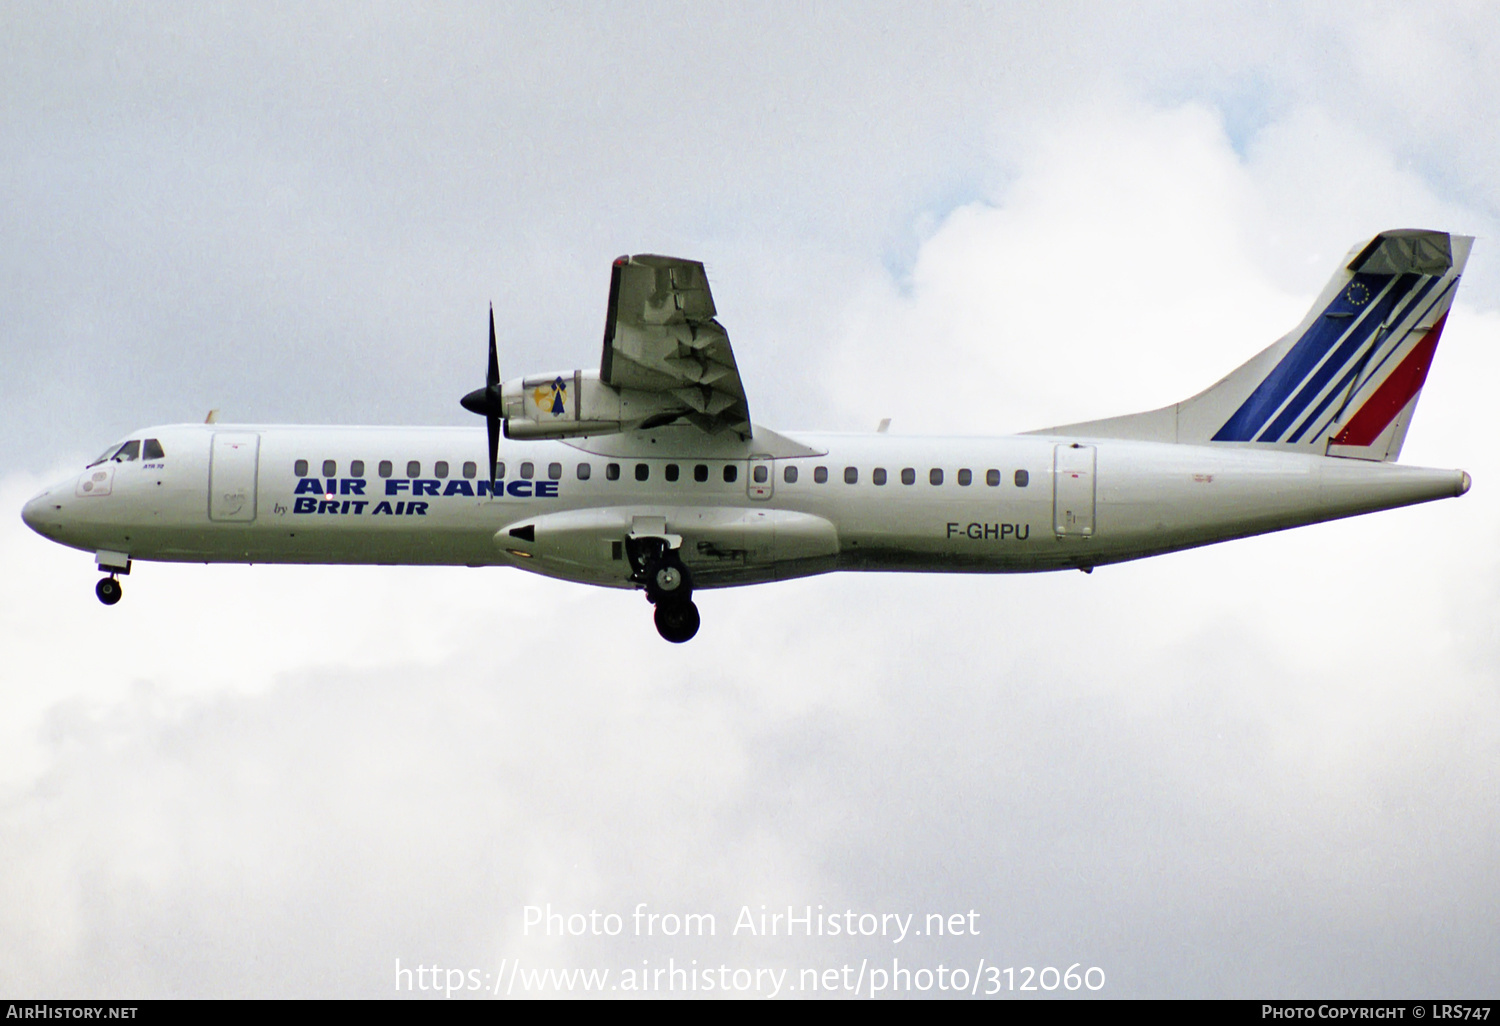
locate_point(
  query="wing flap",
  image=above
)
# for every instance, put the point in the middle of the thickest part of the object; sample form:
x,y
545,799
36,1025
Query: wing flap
x,y
660,336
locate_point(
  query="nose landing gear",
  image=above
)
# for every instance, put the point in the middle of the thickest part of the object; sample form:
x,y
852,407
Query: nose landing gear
x,y
113,564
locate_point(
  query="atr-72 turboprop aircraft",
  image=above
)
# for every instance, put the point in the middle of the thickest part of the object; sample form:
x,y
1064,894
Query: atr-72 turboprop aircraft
x,y
649,473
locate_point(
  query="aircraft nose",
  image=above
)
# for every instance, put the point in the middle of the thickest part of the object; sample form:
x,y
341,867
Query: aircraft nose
x,y
33,512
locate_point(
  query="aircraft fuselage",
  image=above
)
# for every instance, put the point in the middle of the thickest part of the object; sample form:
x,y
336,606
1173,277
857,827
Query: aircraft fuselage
x,y
392,495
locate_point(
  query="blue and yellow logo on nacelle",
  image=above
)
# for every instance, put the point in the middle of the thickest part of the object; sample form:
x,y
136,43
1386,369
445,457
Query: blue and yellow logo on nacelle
x,y
552,398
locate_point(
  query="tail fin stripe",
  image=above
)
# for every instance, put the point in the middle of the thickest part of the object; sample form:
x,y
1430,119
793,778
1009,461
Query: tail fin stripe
x,y
1401,325
1393,394
1345,354
1333,393
1452,284
1325,331
1397,339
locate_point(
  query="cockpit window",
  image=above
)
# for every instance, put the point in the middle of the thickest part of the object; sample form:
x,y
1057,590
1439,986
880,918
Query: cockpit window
x,y
120,452
114,447
151,450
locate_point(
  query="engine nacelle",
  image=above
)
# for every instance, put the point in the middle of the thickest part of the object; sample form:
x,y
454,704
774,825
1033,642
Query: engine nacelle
x,y
575,403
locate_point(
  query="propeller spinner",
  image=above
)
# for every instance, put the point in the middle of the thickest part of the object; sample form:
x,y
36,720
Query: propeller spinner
x,y
487,401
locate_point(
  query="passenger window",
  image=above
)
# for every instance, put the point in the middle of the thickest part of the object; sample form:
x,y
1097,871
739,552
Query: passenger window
x,y
471,469
908,476
1022,479
440,468
330,468
935,476
965,478
879,476
642,471
992,477
385,468
671,472
414,468
357,468
851,475
527,470
760,474
584,470
300,468
129,451
499,470
554,471
612,471
700,472
820,475
731,473
789,475
152,450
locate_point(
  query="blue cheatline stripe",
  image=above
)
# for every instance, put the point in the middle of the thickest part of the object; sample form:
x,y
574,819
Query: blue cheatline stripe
x,y
1358,364
1321,336
1369,321
1376,314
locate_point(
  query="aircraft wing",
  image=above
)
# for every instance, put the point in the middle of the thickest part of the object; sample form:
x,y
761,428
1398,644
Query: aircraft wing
x,y
660,336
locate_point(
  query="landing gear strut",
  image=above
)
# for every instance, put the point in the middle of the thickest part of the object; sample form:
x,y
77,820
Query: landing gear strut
x,y
108,589
667,579
669,587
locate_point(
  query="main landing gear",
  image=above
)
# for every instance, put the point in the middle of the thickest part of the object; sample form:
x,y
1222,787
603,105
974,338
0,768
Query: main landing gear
x,y
668,586
676,619
108,589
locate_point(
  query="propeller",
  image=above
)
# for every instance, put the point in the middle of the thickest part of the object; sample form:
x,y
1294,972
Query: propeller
x,y
487,401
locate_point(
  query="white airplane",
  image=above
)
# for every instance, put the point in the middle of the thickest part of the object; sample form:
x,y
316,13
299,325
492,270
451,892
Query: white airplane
x,y
648,473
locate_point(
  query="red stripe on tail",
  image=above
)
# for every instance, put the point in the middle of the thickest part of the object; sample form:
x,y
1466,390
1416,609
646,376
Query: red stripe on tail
x,y
1393,394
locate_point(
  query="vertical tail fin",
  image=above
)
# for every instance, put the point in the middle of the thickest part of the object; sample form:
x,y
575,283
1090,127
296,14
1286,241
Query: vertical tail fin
x,y
1346,381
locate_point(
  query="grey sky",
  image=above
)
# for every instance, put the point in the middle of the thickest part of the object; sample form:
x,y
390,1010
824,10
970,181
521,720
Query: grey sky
x,y
1267,768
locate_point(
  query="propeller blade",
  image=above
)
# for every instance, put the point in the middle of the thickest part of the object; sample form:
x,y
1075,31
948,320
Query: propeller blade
x,y
488,401
493,377
492,385
494,425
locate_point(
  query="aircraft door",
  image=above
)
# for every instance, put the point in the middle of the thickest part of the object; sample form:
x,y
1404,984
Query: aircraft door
x,y
760,481
231,477
1073,491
